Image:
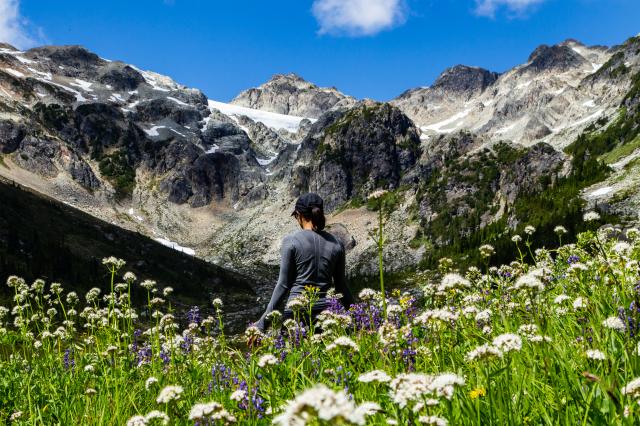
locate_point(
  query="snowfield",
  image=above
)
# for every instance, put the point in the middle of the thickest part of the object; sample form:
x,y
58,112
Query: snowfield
x,y
270,119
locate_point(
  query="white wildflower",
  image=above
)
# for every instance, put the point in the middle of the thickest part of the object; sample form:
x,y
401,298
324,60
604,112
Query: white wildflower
x,y
433,420
137,421
591,216
327,405
560,230
267,359
483,352
632,388
157,415
374,376
169,393
238,395
595,354
579,303
453,281
614,323
343,342
508,342
150,382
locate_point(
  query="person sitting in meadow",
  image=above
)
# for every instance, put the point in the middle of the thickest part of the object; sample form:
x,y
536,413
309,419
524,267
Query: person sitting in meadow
x,y
313,261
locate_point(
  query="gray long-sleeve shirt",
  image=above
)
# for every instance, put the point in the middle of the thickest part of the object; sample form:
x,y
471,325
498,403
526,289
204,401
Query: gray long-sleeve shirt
x,y
309,258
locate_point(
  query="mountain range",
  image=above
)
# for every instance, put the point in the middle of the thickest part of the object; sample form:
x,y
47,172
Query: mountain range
x,y
471,159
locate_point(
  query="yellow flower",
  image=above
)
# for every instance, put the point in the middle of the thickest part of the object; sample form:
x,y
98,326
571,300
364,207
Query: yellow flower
x,y
478,392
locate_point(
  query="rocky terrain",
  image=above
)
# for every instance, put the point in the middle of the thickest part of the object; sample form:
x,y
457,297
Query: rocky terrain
x,y
475,155
291,95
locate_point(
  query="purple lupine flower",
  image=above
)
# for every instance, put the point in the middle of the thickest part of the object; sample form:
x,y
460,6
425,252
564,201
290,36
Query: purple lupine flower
x,y
165,357
193,316
69,362
573,259
143,356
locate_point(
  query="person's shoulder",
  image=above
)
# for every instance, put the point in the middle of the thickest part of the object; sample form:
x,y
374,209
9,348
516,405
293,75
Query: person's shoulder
x,y
293,238
333,239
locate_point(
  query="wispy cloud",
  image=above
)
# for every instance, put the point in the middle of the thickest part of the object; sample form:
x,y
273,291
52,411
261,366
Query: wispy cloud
x,y
358,17
14,29
515,7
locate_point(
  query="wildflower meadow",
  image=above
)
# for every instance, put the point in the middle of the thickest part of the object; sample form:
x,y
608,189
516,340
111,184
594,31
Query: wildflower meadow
x,y
551,338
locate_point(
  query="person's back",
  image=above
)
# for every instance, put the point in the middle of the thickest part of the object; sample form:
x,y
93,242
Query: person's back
x,y
310,257
318,259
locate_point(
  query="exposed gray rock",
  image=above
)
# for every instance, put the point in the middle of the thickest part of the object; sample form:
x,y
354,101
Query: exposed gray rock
x,y
291,95
11,134
38,156
371,146
121,76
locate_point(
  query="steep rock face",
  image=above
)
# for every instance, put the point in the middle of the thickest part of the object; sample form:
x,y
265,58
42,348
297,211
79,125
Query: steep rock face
x,y
554,58
464,80
11,134
558,92
371,146
291,95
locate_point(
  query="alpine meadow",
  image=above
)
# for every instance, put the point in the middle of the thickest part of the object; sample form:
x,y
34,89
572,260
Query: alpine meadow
x,y
464,251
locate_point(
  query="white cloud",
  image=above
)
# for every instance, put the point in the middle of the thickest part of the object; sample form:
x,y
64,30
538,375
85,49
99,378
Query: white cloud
x,y
516,7
358,17
14,29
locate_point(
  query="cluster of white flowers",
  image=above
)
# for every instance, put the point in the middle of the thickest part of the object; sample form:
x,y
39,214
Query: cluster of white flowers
x,y
560,230
266,360
298,303
343,342
614,323
595,354
453,281
367,294
632,388
530,281
150,382
507,342
413,387
591,216
433,420
210,411
326,405
432,315
238,395
113,262
485,351
579,303
487,250
374,376
169,394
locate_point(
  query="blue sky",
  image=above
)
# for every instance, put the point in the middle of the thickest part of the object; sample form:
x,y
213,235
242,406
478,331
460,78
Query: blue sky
x,y
366,48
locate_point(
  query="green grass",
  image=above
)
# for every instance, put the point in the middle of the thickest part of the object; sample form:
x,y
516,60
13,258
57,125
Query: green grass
x,y
546,323
621,151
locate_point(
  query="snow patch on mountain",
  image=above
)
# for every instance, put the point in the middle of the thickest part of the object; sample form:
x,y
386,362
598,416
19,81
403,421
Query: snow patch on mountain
x,y
269,119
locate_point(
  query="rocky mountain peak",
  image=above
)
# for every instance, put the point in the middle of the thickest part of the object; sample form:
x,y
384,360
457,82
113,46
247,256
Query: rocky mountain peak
x,y
560,57
290,77
464,79
290,94
7,46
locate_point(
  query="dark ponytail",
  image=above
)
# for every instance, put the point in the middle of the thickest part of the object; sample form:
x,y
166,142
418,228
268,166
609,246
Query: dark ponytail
x,y
317,218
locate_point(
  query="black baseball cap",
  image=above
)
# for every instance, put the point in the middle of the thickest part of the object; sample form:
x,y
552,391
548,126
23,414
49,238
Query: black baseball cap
x,y
306,203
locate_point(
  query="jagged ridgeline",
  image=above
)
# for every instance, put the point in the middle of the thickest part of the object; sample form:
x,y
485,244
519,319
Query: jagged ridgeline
x,y
472,159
